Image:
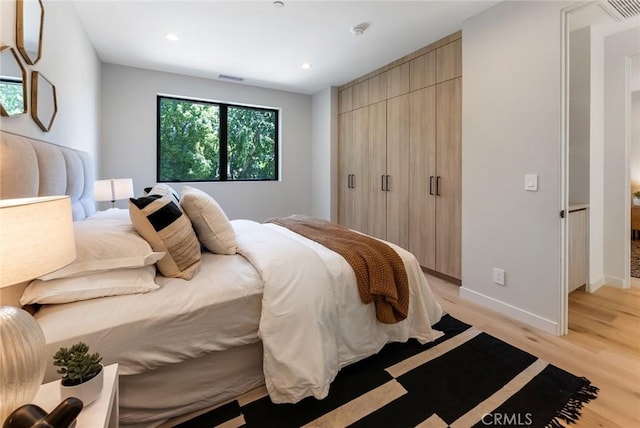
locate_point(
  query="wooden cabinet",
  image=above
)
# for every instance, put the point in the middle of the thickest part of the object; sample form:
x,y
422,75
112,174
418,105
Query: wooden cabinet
x,y
400,156
448,176
578,247
397,175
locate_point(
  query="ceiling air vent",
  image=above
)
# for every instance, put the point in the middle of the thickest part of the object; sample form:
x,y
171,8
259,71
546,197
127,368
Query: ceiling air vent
x,y
621,9
232,78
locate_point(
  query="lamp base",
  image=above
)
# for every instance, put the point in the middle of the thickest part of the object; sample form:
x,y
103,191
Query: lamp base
x,y
30,415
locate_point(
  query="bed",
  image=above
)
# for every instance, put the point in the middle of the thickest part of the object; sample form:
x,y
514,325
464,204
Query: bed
x,y
284,310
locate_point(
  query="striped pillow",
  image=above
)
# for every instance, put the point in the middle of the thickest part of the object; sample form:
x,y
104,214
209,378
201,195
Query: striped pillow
x,y
160,221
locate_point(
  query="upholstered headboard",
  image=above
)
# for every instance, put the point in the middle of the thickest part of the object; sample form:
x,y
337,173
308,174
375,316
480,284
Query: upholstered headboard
x,y
30,167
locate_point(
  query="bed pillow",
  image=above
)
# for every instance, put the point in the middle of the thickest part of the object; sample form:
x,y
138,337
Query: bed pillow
x,y
212,226
106,240
112,283
164,190
161,221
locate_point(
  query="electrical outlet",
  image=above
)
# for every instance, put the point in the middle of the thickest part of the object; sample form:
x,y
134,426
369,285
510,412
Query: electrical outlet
x,y
498,276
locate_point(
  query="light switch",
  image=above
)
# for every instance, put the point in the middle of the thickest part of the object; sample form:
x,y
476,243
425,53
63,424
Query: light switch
x,y
531,182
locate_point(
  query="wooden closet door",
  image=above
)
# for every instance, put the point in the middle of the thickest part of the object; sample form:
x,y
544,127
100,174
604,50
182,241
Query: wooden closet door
x,y
448,167
345,169
397,170
359,159
422,166
377,167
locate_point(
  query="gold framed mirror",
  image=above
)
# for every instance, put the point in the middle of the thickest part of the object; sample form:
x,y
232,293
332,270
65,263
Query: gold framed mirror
x,y
29,23
44,103
13,89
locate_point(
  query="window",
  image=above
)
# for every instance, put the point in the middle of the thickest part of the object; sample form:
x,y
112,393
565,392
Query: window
x,y
207,141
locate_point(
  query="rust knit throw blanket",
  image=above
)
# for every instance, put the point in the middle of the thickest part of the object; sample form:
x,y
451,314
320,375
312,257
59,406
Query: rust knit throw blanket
x,y
379,270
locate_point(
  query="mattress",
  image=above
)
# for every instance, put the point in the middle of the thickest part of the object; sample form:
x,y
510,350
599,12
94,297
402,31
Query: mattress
x,y
218,309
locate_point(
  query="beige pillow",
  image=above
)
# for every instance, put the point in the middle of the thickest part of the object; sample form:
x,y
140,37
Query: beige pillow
x,y
211,223
160,221
107,240
112,283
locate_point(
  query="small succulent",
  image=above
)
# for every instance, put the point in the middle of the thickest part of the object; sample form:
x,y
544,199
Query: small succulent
x,y
637,194
76,364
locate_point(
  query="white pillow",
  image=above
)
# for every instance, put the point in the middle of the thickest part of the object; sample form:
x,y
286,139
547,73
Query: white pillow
x,y
106,240
112,283
212,226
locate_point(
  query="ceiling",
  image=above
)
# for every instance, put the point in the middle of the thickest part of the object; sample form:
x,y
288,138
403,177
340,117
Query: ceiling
x,y
264,44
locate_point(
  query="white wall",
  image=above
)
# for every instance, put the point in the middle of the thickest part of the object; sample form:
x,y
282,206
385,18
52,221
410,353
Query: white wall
x,y
618,48
596,165
324,154
511,127
579,114
71,64
129,138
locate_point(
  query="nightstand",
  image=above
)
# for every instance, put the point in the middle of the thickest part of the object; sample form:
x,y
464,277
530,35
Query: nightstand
x,y
102,413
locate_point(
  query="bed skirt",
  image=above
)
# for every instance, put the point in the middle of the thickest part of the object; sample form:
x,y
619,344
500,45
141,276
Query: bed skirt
x,y
150,398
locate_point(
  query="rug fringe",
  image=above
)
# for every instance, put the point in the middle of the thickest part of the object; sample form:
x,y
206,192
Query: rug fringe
x,y
571,411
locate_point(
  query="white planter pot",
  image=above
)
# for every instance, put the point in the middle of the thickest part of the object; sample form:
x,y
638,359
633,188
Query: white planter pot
x,y
87,392
636,202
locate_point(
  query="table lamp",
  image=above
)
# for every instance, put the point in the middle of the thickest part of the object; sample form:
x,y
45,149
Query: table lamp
x,y
36,237
113,190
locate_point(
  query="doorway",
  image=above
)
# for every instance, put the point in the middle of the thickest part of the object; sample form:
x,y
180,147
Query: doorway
x,y
598,81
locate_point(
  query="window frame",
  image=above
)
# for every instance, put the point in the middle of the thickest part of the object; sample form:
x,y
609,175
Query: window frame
x,y
223,136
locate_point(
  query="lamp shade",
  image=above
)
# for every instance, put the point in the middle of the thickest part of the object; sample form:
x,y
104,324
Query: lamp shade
x,y
36,237
113,189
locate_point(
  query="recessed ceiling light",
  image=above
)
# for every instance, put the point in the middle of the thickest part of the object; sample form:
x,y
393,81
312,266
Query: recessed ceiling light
x,y
306,66
172,37
278,4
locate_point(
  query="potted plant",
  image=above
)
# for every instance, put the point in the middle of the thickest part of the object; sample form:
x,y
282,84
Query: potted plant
x,y
636,198
82,374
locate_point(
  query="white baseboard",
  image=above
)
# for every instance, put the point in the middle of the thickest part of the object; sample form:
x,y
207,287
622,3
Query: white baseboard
x,y
526,317
594,285
614,281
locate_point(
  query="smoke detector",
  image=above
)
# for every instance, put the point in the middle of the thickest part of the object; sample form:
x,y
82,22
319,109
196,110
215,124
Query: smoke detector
x,y
358,30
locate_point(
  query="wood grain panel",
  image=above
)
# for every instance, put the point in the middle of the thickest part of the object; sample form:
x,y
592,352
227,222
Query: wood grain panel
x,y
377,167
359,161
345,100
448,167
345,165
378,88
422,71
449,61
578,249
422,165
397,161
361,95
398,80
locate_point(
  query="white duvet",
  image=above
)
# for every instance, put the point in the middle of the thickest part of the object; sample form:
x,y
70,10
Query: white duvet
x,y
313,322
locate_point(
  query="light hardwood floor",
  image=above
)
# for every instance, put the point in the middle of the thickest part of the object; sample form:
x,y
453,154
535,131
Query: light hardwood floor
x,y
603,345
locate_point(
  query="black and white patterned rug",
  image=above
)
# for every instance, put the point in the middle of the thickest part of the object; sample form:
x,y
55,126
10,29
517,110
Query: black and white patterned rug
x,y
465,379
635,258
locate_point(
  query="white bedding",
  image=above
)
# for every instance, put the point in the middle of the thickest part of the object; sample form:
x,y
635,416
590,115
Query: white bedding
x,y
218,309
313,322
299,297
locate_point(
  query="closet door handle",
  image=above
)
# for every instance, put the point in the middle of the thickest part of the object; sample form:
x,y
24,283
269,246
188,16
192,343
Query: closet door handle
x,y
431,185
386,187
382,183
438,186
349,181
353,181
